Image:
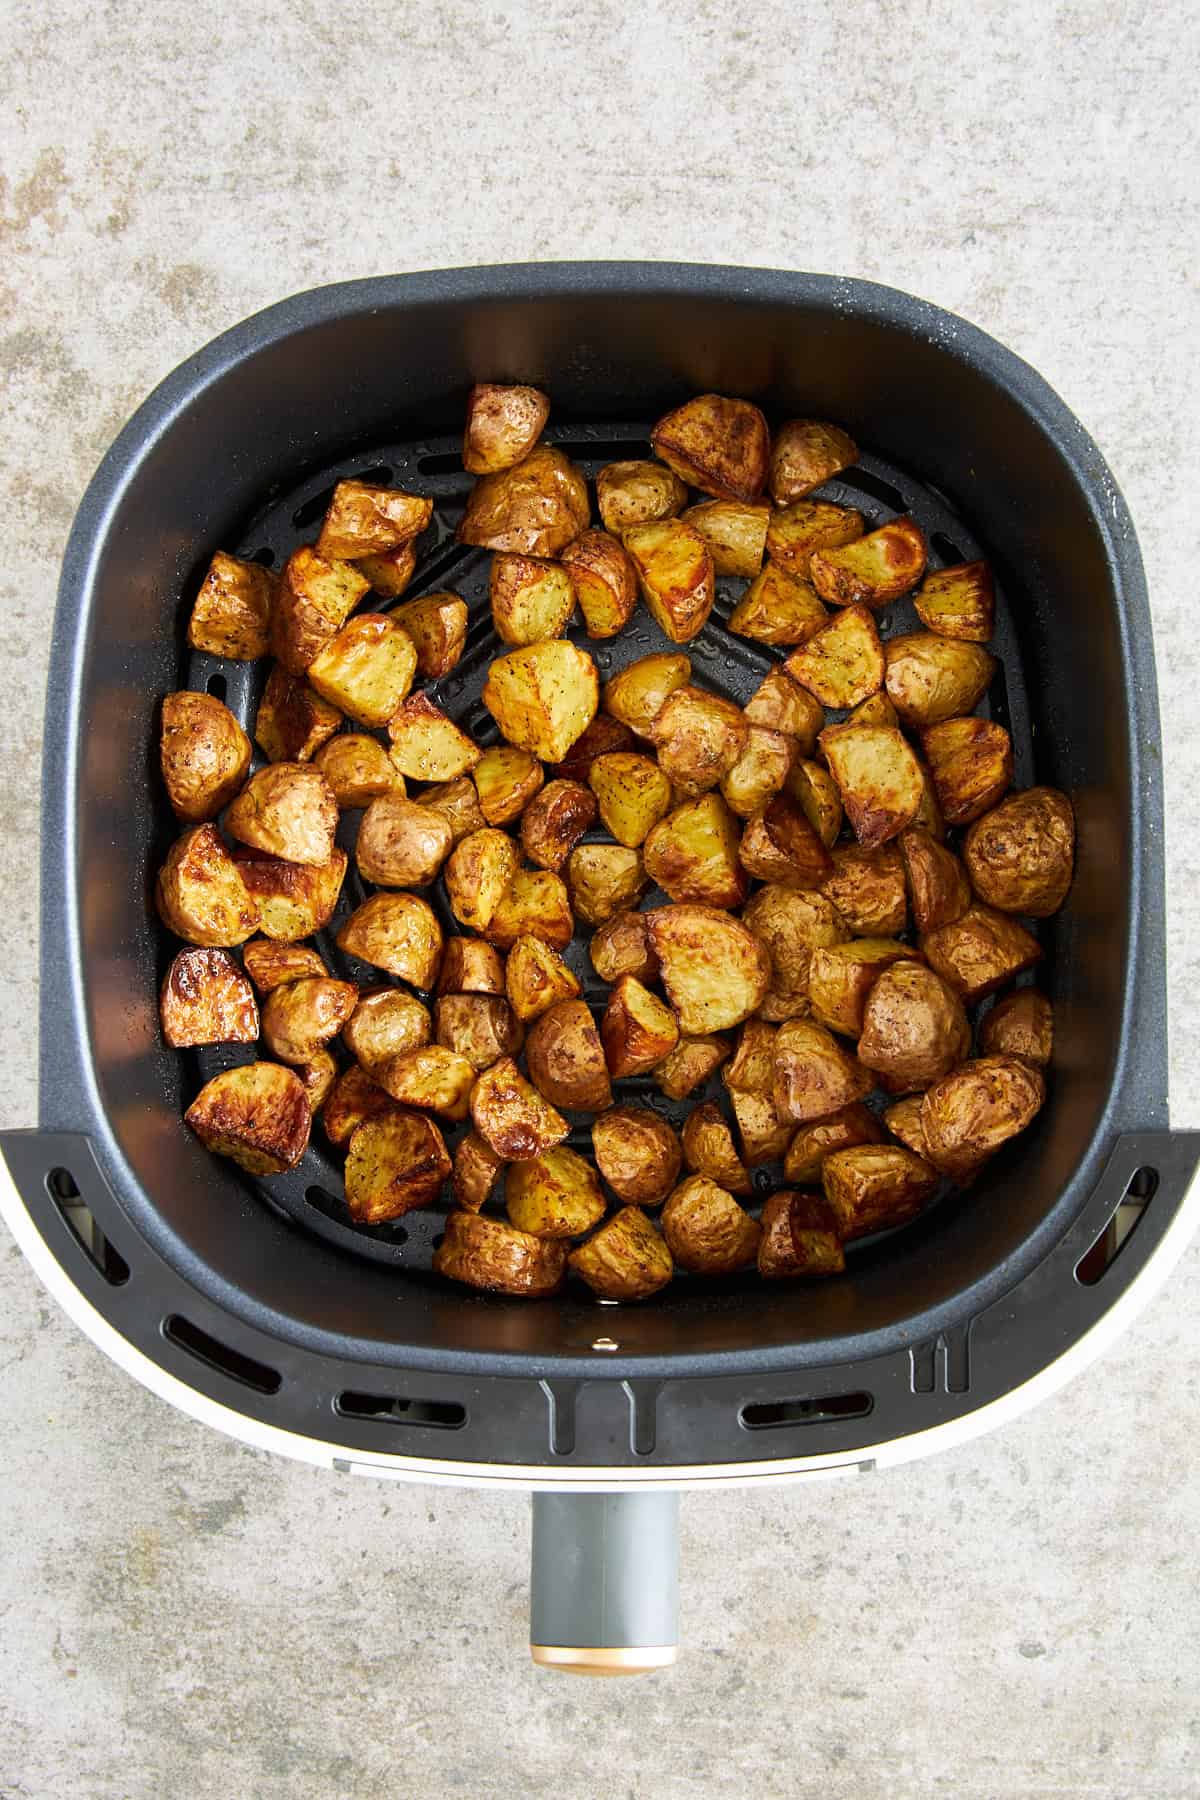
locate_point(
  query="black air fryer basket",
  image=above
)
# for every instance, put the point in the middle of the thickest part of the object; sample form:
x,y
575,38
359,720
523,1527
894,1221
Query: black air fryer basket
x,y
257,1303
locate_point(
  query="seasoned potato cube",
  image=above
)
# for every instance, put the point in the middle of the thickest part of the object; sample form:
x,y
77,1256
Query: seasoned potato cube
x,y
480,1027
914,1029
493,1255
204,754
958,602
366,668
402,844
543,696
693,854
878,778
458,800
205,999
805,453
752,1070
431,1078
511,1116
719,445
292,721
780,845
760,771
675,575
638,1154
353,1099
503,425
874,569
903,1120
201,895
469,966
781,704
841,976
971,763
937,881
621,946
604,581
357,768
843,662
980,951
506,781
638,493
876,709
477,875
531,598
778,608
706,1230
714,969
850,1125
257,1114
790,925
797,530
632,794
625,1260
735,532
602,737
312,602
637,1030
566,1058
968,1114
428,746
300,1018
554,821
690,1064
764,1135
383,1024
708,1149
813,788
930,678
534,904
390,573
867,889
317,1078
395,1163
799,1237
293,899
875,1186
476,1167
535,977
555,1195
814,1075
637,695
699,737
369,521
269,964
1021,855
286,810
1021,1024
232,612
437,625
603,879
396,932
535,508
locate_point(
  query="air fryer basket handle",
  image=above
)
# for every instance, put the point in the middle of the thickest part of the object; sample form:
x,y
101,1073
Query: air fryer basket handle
x,y
604,1582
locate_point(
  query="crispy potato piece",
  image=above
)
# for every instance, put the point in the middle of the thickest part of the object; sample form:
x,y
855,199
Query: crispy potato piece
x,y
469,966
566,1058
706,1230
875,1186
506,780
708,1149
555,1195
690,1064
1021,1024
876,709
603,736
638,493
231,615
638,1153
535,508
481,1027
369,521
396,932
1021,855
459,801
719,445
937,881
504,422
637,1029
312,602
621,946
286,810
366,668
752,1070
714,968
205,999
735,532
293,899
269,964
929,813
790,925
780,845
358,769
968,1114
760,771
531,598
511,1116
258,1115
867,889
980,951
930,678
476,1167
534,904
383,1024
637,694
815,791
699,737
878,778
841,976
914,1029
799,1237
300,1018
796,531
625,1260
874,569
604,580
778,608
843,662
204,755
971,764
814,1074
632,795
693,854
427,745
850,1125
493,1255
317,1077
958,602
535,977
477,875
602,880
200,892
390,573
353,1099
554,821
437,625
805,453
431,1078
675,576
402,844
903,1120
764,1135
781,704
543,696
395,1163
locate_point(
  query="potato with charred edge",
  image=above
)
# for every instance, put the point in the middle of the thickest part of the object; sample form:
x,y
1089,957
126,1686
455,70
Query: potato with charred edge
x,y
874,569
778,608
566,1059
708,1149
632,794
675,576
535,508
867,889
790,925
401,843
625,1259
875,1186
458,801
369,521
638,1154
312,602
300,1018
752,1070
735,532
390,573
706,1230
394,1164
816,793
554,821
638,493
958,602
971,764
231,615
903,1120
937,881
204,754
476,1167
437,625
637,693
637,1029
293,899
805,453
690,1064
384,1024
780,845
430,1078
205,999
843,662
257,1115
477,875
603,879
603,736
534,904
980,952
931,678
511,1116
504,422
877,776
714,969
481,1027
759,772
621,946
1021,855
781,704
317,1077
814,1075
842,1130
750,1080
396,932
604,581
428,746
555,1195
358,769
493,1255
971,1112
699,737
717,444
799,1237
200,892
1021,1024
287,810
693,854
536,977
353,1099
914,1029
796,531
270,965
543,696
366,668
531,598
469,966
506,780
841,976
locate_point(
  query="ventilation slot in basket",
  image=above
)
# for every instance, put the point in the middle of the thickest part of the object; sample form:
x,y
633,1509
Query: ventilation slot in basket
x,y
221,1357
769,1414
1119,1227
397,1409
79,1219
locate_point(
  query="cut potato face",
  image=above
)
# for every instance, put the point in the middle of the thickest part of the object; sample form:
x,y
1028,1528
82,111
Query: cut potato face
x,y
762,857
603,736
427,745
759,772
258,1115
714,969
201,895
632,794
554,821
625,1260
231,615
638,493
495,1256
621,946
543,697
799,1237
815,791
358,769
699,737
719,445
638,1154
690,1065
1021,855
604,581
842,1130
637,1030
431,1078
390,573
204,755
693,854
481,1027
843,663
796,839
205,999
366,668
269,964
293,899
969,1114
477,875
980,952
636,696
876,709
534,508
814,1074
394,1164
959,602
841,977
531,598
506,781
369,521
511,1116
555,1195
535,977
353,1099
469,966
476,1168
396,932
709,1149
735,532
874,569
299,1019
384,1024
566,1058
675,575
903,1120
752,1070
874,1187
796,531
937,881
503,425
602,880
781,704
867,889
1020,1024
458,800
534,904
971,764
402,844
805,453
930,678
914,1029
287,810
878,778
763,1134
437,625
312,602
778,608
292,721
790,925
706,1230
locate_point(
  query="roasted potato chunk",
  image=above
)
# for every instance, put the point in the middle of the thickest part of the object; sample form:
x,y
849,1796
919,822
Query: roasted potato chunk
x,y
603,736
874,569
604,580
200,892
638,493
293,899
358,769
531,598
353,1099
369,521
931,678
534,904
535,977
503,425
632,795
814,1075
693,854
719,445
621,946
867,889
469,966
971,765
366,668
437,625
231,615
790,925
980,952
384,1024
286,810
797,530
675,576
735,532
554,821
799,1237
300,1018
293,721
876,709
759,772
690,1064
781,704
534,508
778,608
877,776
968,1114
258,1115
543,696
402,844
850,1125
637,1030
903,1120
708,1149
937,881
395,1163
459,801
317,1077
1021,1024
637,694
396,932
750,1079
875,1186
780,845
204,754
205,999
959,602
476,1167
390,573
843,662
555,1195
511,1116
312,602
816,793
625,1260
752,1070
430,1078
269,964
603,879
714,969
427,745
493,1255
566,1058
481,1027
1021,855
805,453
706,1230
477,875
506,780
914,1029
638,1154
699,737
841,976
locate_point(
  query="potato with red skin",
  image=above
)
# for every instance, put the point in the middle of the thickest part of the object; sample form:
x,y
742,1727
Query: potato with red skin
x,y
396,932
269,965
511,1117
534,904
437,625
914,1029
536,978
504,422
693,854
535,507
258,1115
394,1163
531,598
714,969
970,1113
604,581
799,1237
814,1075
958,602
430,1078
481,1027
555,1195
427,745
287,810
842,663
625,1259
621,946
478,874
200,893
637,1029
312,601
675,576
383,1024
401,843
780,704
841,1130
699,737
469,966
204,755
638,1153
706,1230
353,1099
708,1149
293,899
205,999
980,951
638,493
476,1168
493,1255
637,693
805,453
566,1059
363,520
798,530
874,1187
1020,1024
300,1018
690,1064
554,821
874,569
1021,855
231,615
717,444
878,778
937,881
358,769
930,678
970,762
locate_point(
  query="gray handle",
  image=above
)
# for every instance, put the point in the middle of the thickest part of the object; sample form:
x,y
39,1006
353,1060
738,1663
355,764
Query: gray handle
x,y
604,1582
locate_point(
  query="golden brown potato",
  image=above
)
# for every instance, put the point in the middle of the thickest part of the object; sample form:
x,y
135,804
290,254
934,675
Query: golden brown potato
x,y
699,737
428,746
637,1030
201,895
317,1077
232,612
638,1154
875,1186
799,1237
637,695
790,925
958,602
366,668
778,608
504,422
735,532
971,765
867,889
353,1099
604,580
805,453
437,625
511,1116
780,845
638,493
402,844
914,1029
293,899
469,966
632,795
269,964
968,1114
796,531
477,875
535,977
621,946
543,696
843,662
693,854
752,1070
780,704
602,880
531,598
459,801
714,969
930,678
760,771
396,932
706,1230
493,1255
1021,1024
937,881
980,952
258,1115
554,821
603,737
286,810
813,788
878,778
566,1058
750,1080
506,780
929,813
384,1024
431,1078
534,508
369,521
300,1018
841,976
708,1149
534,904
903,1120
358,769
476,1167
312,602
555,1195
205,999
876,709
1021,855
690,1064
625,1260
675,576
395,1163
874,569
814,1075
390,573
719,445
481,1027
850,1125
204,755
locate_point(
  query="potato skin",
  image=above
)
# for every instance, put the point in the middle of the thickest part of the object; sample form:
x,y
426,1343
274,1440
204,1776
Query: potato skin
x,y
799,1237
875,1186
804,526
790,925
903,1120
383,1024
781,704
878,777
493,1255
289,811
930,678
714,969
937,881
842,1130
476,1167
555,1195
814,1074
317,1077
200,892
874,569
231,615
958,602
503,425
543,696
840,977
675,576
625,1259
735,532
300,1018
637,1029
637,693
363,520
815,791
394,1164
478,874
534,508
312,601
980,952
914,1028
511,1117
632,795
706,1230
204,755
401,843
531,598
430,1078
293,899
353,1099
293,721
602,880
205,999
396,932
534,904
566,1059
1021,855
693,854
638,493
638,1153
358,769
469,966
690,1064
427,745
621,946
708,1149
699,737
390,573
554,821
269,964
780,845
971,764
536,977
1020,1024
968,1114
778,608
458,801
506,781
720,445
805,453
604,581
437,625
258,1115
867,889
843,663
481,1027
759,772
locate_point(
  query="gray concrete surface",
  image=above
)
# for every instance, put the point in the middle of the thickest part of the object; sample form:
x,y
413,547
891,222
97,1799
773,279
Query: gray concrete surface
x,y
184,1617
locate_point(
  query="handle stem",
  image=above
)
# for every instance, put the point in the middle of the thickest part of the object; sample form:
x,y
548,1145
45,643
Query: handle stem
x,y
604,1582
